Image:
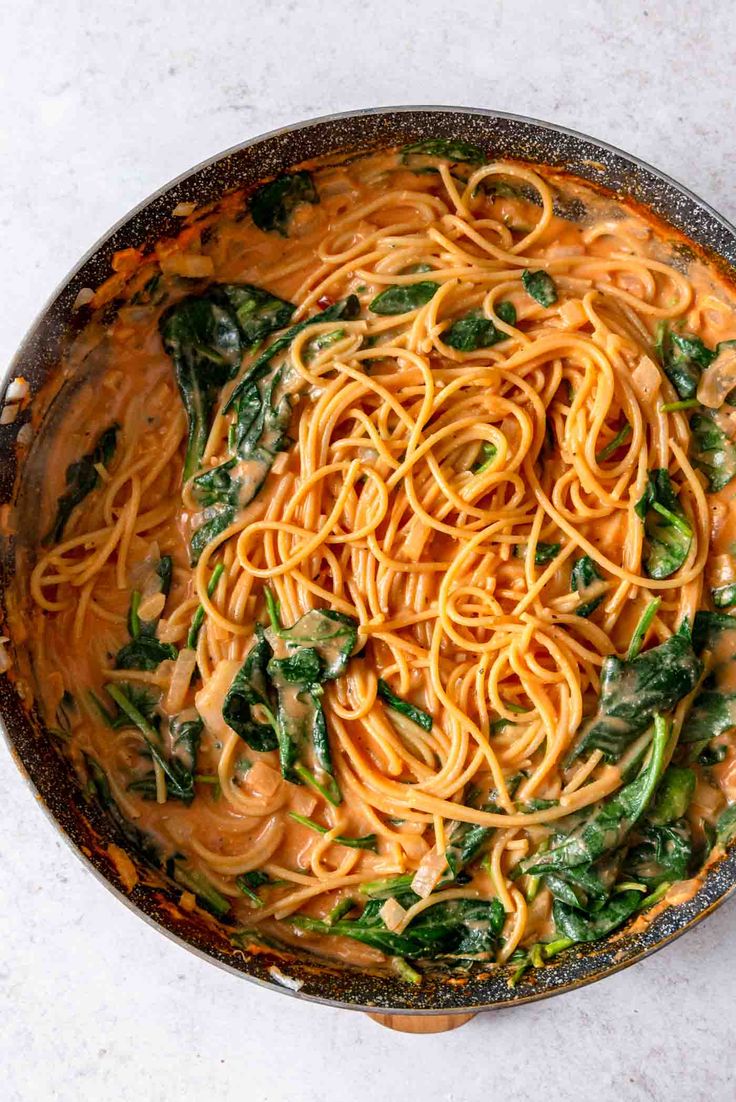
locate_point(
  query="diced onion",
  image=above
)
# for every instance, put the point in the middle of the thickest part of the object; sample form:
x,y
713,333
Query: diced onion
x,y
646,378
301,800
18,390
393,914
4,656
262,779
718,379
286,981
189,265
85,296
25,434
573,314
180,680
152,606
9,414
429,873
183,210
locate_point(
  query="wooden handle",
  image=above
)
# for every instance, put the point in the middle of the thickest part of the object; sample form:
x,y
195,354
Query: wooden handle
x,y
422,1023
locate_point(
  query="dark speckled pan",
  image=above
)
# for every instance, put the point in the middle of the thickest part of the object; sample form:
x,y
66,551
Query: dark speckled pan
x,y
85,827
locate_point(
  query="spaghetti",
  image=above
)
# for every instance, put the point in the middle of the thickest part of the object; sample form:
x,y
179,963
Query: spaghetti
x,y
351,676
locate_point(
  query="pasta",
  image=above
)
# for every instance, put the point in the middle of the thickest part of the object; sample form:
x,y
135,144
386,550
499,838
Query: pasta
x,y
386,596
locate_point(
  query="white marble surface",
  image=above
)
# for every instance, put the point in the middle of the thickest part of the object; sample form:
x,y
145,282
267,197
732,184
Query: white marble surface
x,y
100,104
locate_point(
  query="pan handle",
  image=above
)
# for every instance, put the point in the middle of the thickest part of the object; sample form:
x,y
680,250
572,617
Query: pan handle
x,y
422,1023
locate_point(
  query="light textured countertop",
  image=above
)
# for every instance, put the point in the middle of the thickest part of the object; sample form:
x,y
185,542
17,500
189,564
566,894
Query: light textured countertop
x,y
101,103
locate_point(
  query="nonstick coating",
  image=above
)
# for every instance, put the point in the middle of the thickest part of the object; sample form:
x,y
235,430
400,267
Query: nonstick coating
x,y
84,826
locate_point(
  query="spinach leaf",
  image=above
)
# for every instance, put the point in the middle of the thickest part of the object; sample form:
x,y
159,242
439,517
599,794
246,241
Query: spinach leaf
x,y
136,627
367,841
579,925
661,855
726,826
137,840
207,894
251,689
712,451
639,633
668,531
486,455
208,531
709,627
586,886
633,691
179,766
673,795
203,338
583,575
450,149
272,204
608,826
540,286
466,928
333,634
346,309
82,478
249,883
683,357
713,712
404,707
401,298
257,312
473,331
144,653
724,596
466,841
543,554
613,445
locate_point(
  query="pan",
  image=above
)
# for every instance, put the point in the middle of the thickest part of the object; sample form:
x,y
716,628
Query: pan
x,y
92,834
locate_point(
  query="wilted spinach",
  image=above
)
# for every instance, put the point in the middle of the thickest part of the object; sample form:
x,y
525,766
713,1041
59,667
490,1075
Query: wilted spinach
x,y
683,357
404,707
272,204
82,477
540,286
582,576
450,149
669,534
475,330
712,451
401,298
633,691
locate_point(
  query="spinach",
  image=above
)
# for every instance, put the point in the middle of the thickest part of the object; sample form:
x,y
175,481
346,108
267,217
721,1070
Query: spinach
x,y
286,691
466,928
543,553
724,596
203,338
206,336
400,299
614,444
257,312
540,286
249,883
450,149
272,204
487,454
144,653
207,894
208,531
586,886
668,531
251,690
367,841
683,358
673,795
82,477
137,840
198,618
583,575
179,766
465,842
661,855
633,691
726,826
714,709
579,925
712,451
610,823
346,309
404,707
639,633
474,331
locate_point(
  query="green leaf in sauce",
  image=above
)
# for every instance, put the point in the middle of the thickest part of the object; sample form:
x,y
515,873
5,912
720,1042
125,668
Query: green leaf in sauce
x,y
474,331
633,691
582,926
669,534
540,286
544,552
82,477
402,298
726,826
711,450
272,204
250,704
582,576
404,707
683,357
449,149
660,853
